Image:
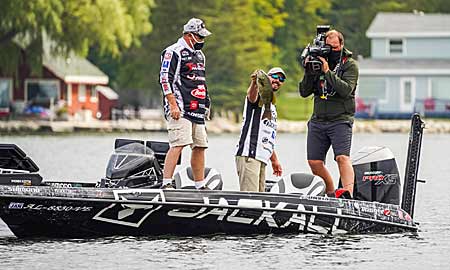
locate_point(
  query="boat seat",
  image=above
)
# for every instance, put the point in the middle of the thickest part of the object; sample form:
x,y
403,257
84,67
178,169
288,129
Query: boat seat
x,y
300,183
184,179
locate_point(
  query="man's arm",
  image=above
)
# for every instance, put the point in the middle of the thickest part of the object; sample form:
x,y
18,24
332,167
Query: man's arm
x,y
306,86
276,166
252,91
344,86
169,62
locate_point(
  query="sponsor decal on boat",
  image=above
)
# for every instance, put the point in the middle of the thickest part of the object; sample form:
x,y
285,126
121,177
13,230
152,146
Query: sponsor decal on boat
x,y
25,182
55,208
379,177
262,212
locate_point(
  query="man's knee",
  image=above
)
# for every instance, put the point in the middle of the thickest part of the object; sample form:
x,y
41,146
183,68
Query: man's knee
x,y
316,164
176,149
343,160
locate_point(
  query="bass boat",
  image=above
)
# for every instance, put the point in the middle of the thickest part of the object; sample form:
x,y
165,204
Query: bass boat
x,y
129,199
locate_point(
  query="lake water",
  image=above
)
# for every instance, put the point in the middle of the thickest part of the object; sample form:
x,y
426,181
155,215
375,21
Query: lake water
x,y
83,158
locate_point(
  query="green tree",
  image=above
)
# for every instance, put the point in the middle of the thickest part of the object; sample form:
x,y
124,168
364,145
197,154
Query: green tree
x,y
299,30
242,42
353,18
72,25
135,73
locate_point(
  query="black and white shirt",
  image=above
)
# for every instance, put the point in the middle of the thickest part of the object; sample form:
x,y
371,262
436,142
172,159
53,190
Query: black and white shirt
x,y
183,74
257,139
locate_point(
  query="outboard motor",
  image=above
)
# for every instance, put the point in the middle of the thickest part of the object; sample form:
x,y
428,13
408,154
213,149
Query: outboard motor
x,y
185,179
132,164
299,183
376,175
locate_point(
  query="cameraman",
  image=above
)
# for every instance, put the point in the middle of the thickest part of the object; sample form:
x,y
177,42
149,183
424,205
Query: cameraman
x,y
334,107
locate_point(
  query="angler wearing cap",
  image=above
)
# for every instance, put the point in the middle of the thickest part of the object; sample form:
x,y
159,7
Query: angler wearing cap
x,y
259,129
186,100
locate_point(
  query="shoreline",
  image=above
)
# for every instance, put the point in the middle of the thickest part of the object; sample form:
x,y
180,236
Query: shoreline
x,y
215,126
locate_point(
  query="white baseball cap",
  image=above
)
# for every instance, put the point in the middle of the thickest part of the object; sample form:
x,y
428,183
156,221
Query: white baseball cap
x,y
275,70
197,26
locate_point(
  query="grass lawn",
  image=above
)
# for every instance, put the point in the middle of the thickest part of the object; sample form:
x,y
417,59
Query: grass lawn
x,y
291,106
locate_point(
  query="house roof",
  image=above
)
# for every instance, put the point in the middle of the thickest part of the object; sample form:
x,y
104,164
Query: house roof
x,y
404,66
74,69
416,24
107,92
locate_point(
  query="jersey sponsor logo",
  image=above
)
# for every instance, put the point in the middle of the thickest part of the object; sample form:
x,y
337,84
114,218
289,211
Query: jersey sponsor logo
x,y
193,105
194,77
269,123
199,92
165,64
184,53
164,77
195,66
167,55
196,115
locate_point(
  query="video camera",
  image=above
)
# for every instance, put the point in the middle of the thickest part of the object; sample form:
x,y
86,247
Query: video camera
x,y
315,49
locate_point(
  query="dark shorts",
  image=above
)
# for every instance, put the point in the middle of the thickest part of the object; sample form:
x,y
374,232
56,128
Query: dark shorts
x,y
322,135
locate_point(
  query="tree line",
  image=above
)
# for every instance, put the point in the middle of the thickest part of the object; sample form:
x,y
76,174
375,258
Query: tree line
x,y
125,38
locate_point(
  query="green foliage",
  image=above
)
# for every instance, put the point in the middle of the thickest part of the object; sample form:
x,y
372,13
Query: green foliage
x,y
299,30
126,43
72,25
241,44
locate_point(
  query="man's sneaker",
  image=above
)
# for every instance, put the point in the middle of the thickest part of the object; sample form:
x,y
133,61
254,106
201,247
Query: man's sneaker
x,y
204,188
342,193
168,186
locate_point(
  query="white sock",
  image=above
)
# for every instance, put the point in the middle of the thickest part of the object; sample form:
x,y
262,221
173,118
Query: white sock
x,y
199,184
166,181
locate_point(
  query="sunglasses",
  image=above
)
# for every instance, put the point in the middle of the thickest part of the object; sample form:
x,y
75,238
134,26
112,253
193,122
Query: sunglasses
x,y
198,36
276,76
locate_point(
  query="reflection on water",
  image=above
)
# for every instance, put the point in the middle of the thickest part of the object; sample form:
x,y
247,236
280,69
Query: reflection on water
x,y
84,158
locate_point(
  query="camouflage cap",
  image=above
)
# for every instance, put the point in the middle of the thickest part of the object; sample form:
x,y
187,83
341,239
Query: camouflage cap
x,y
197,26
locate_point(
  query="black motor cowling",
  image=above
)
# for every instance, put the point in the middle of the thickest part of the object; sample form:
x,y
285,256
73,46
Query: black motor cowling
x,y
132,164
376,175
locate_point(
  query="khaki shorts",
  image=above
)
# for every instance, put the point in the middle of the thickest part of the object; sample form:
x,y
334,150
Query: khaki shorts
x,y
183,132
252,174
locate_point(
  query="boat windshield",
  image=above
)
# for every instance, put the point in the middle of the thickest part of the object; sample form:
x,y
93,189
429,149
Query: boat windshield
x,y
135,148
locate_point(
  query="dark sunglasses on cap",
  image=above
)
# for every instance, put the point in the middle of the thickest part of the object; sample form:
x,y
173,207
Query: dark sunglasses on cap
x,y
276,76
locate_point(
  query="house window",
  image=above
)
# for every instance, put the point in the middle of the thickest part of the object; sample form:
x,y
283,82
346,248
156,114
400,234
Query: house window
x,y
395,46
82,93
41,92
440,88
5,92
94,97
407,92
372,88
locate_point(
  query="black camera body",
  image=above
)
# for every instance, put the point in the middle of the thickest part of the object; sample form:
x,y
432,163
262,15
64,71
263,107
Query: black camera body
x,y
315,49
